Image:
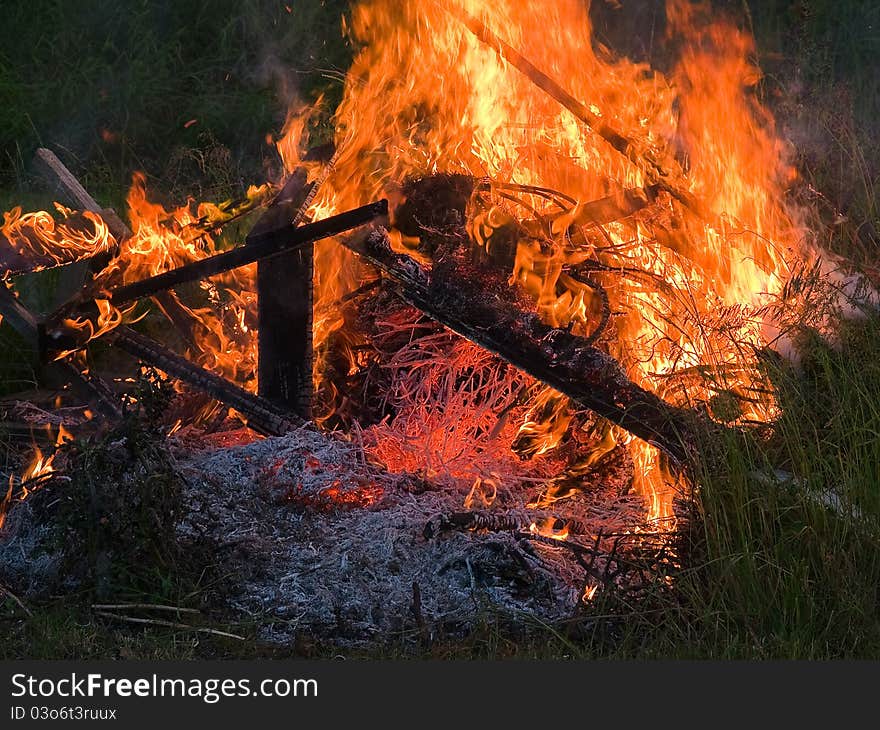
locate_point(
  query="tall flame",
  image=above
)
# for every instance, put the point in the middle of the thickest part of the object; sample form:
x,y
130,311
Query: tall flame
x,y
679,279
426,95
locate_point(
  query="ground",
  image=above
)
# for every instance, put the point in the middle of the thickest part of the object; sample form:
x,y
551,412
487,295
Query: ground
x,y
189,94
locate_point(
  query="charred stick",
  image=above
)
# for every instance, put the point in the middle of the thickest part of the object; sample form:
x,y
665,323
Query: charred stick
x,y
574,547
471,521
261,415
416,609
491,522
285,238
89,385
313,189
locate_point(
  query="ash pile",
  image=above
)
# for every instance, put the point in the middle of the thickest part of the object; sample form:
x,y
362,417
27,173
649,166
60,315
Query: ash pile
x,y
304,537
315,539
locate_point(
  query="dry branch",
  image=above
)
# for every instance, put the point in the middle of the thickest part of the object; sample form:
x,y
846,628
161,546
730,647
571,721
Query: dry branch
x,y
144,606
167,624
15,599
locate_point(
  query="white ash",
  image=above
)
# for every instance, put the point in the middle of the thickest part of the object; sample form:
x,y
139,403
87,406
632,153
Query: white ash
x,y
348,573
31,558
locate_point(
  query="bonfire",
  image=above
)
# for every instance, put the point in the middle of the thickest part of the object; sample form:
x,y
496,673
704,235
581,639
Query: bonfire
x,y
526,287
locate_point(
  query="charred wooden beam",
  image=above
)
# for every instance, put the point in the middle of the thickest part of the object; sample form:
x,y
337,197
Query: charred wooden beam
x,y
284,304
285,238
554,356
262,415
71,192
21,319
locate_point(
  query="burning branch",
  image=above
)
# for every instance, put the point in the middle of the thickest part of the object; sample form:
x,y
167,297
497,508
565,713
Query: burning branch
x,y
285,238
552,355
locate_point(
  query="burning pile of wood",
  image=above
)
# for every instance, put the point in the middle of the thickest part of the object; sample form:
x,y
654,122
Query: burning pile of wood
x,y
469,297
507,336
444,281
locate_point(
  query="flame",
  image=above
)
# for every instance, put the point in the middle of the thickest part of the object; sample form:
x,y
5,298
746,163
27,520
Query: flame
x,y
220,329
685,281
34,475
63,437
658,222
38,467
42,241
550,527
483,493
219,324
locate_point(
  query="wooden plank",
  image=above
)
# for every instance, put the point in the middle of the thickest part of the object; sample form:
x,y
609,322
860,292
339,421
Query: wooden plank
x,y
262,415
285,238
72,192
284,305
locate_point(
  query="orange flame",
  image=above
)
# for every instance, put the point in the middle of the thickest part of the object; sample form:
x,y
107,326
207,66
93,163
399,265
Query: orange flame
x,y
39,466
684,284
425,95
42,241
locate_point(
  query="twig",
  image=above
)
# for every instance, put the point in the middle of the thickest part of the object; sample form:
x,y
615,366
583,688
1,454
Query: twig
x,y
147,606
16,600
416,609
168,624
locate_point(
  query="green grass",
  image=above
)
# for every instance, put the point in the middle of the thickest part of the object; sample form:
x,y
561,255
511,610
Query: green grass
x,y
822,61
769,571
111,86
